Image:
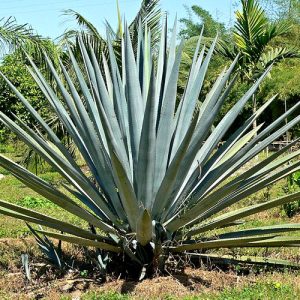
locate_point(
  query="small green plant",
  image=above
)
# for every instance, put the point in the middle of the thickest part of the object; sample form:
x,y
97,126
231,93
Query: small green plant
x,y
292,185
5,147
3,135
53,254
84,273
34,202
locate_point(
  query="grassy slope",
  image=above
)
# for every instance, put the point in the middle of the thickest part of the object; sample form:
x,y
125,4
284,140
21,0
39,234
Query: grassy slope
x,y
261,290
12,190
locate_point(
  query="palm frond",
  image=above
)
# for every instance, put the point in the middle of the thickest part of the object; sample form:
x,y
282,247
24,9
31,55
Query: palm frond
x,y
253,33
13,35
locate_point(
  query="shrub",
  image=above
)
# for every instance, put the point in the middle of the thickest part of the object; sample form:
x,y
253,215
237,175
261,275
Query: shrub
x,y
293,184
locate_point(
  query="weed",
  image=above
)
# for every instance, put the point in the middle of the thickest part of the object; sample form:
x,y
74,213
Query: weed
x,y
105,296
34,202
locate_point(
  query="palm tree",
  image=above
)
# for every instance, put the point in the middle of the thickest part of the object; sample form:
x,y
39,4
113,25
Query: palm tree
x,y
23,39
149,15
252,37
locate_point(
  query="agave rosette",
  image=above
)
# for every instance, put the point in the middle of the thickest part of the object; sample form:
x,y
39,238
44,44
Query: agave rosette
x,y
159,179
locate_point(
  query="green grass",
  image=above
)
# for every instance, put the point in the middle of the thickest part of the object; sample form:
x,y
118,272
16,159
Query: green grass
x,y
257,291
14,191
105,296
264,291
12,228
34,203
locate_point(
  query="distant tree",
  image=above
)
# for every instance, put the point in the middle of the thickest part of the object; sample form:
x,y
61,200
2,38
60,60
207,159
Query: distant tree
x,y
216,65
283,9
14,68
253,36
285,82
17,41
15,65
285,79
192,28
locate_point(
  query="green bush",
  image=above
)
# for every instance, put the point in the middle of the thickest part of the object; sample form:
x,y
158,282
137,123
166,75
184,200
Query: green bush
x,y
293,184
15,69
34,202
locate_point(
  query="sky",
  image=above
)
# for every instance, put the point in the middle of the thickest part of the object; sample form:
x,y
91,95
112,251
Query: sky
x,y
47,17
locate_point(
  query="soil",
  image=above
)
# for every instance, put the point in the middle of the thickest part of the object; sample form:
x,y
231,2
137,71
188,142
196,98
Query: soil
x,y
191,282
49,283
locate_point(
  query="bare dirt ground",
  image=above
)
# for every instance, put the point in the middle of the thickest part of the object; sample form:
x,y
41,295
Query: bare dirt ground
x,y
49,283
193,282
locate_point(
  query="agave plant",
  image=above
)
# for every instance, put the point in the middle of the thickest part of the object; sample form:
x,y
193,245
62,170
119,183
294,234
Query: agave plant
x,y
159,181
